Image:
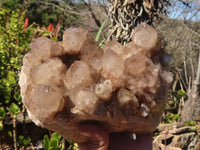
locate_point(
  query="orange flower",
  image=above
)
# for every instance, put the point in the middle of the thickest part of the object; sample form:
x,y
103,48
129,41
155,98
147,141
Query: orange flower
x,y
26,22
50,28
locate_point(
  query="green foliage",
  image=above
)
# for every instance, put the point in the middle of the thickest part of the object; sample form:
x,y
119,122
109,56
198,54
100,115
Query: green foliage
x,y
41,13
14,109
192,123
46,141
53,143
56,136
173,106
2,113
57,142
180,94
45,12
14,43
171,118
4,14
174,100
13,4
24,140
1,125
156,133
38,32
50,11
10,134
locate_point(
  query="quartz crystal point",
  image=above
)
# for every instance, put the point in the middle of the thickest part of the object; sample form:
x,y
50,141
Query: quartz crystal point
x,y
73,40
122,88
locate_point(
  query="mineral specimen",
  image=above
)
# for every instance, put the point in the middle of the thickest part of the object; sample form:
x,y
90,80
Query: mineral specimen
x,y
120,87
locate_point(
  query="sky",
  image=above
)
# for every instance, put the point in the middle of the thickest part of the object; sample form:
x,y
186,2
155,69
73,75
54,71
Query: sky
x,y
181,11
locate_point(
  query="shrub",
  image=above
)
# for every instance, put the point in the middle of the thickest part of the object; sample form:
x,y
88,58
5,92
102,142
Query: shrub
x,y
14,43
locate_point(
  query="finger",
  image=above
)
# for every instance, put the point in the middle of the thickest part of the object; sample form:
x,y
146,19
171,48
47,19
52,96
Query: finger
x,y
144,141
93,130
120,141
144,137
98,135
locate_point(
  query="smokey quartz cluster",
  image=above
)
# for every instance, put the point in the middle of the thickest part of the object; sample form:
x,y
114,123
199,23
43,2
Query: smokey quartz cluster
x,y
123,88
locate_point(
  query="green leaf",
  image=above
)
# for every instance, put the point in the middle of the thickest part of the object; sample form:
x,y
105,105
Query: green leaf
x,y
10,134
196,129
24,140
11,77
167,121
14,109
21,137
54,143
2,113
56,136
17,96
181,93
53,148
190,123
100,30
45,142
54,39
170,116
176,117
1,125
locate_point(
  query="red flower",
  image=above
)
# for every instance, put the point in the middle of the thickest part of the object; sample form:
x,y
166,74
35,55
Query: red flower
x,y
26,22
50,28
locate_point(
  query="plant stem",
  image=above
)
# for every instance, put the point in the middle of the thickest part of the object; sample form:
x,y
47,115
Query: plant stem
x,y
14,132
24,122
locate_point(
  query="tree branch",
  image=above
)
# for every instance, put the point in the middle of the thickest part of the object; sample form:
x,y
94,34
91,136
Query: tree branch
x,y
196,33
198,71
65,10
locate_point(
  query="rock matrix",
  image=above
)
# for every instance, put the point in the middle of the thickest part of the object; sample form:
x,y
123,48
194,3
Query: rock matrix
x,y
74,81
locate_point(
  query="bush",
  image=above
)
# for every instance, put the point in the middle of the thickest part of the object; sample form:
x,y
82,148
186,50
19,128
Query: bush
x,y
14,44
